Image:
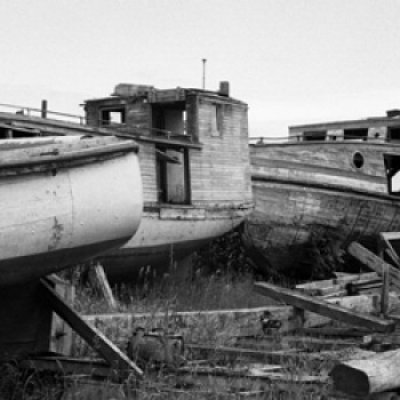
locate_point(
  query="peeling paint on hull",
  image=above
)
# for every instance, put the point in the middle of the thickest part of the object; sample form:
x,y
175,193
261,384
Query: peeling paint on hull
x,y
50,220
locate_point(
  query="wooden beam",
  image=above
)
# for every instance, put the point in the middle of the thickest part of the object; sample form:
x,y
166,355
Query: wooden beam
x,y
363,377
322,307
374,262
115,357
101,282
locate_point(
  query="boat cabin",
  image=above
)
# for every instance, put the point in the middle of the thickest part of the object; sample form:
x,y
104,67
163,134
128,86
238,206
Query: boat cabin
x,y
385,128
193,142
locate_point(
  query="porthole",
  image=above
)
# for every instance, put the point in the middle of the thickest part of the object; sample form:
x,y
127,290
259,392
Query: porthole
x,y
358,160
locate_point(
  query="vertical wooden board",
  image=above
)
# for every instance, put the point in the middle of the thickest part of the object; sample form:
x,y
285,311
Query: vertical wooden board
x,y
61,338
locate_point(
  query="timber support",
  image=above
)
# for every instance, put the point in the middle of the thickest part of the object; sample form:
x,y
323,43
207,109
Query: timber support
x,y
115,358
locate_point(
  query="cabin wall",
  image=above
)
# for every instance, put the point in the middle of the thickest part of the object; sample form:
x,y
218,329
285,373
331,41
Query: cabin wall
x,y
147,161
333,155
220,171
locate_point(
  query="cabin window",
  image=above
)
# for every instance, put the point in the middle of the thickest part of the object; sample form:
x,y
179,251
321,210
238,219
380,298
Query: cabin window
x,y
358,160
392,167
218,125
5,133
314,135
113,116
169,118
356,133
173,178
394,134
9,133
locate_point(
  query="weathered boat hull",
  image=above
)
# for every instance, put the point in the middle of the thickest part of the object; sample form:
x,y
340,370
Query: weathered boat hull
x,y
165,237
62,211
310,201
194,162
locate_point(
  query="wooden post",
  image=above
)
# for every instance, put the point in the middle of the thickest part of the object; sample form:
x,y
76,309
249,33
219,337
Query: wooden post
x,y
385,277
44,109
61,333
101,282
115,357
385,291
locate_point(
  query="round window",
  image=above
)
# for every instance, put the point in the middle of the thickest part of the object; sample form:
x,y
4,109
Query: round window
x,y
358,159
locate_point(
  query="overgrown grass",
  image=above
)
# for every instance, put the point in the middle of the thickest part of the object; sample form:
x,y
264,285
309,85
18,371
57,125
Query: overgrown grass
x,y
223,280
216,291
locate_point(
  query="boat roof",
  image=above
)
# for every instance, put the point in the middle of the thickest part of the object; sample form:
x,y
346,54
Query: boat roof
x,y
126,91
354,123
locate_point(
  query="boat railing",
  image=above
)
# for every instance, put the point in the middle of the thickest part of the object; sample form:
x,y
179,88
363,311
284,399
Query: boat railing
x,y
41,113
293,139
81,120
145,130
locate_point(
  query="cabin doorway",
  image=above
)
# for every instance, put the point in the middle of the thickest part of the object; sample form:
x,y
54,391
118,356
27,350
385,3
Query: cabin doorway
x,y
113,116
169,118
392,167
173,178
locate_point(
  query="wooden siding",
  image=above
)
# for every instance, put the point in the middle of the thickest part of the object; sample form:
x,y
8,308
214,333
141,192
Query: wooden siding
x,y
337,155
221,171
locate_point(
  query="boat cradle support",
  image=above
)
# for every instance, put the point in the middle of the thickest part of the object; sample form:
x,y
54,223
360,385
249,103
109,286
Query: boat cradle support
x,y
114,357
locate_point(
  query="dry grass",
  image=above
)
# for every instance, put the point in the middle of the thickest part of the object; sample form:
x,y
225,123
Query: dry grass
x,y
212,292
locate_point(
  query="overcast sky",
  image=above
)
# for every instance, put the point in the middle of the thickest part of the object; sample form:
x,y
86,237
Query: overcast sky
x,y
292,61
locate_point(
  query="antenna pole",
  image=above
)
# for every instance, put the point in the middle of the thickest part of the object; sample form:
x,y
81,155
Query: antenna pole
x,y
204,60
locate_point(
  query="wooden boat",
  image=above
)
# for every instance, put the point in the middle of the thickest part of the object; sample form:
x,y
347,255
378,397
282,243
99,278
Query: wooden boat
x,y
64,200
327,185
194,161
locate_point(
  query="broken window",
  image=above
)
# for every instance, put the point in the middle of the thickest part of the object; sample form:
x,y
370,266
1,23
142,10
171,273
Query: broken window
x,y
113,116
392,167
173,175
169,118
394,134
314,135
355,133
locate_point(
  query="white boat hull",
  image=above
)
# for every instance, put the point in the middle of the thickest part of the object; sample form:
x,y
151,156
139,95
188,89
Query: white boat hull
x,y
53,219
167,236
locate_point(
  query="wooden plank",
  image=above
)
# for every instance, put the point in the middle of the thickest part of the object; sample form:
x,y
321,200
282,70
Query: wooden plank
x,y
338,286
374,262
115,357
385,291
340,281
61,333
101,282
68,365
321,307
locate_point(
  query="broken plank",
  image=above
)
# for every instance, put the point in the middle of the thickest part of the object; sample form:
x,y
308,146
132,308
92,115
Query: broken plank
x,y
335,332
91,335
327,286
298,342
374,262
332,311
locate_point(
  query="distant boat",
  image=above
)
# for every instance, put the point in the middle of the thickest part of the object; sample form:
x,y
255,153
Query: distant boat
x,y
194,161
329,184
64,200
